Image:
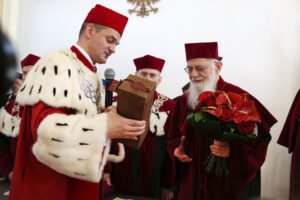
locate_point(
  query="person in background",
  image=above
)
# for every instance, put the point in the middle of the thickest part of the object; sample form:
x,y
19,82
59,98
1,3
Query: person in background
x,y
290,138
64,136
186,144
10,116
139,174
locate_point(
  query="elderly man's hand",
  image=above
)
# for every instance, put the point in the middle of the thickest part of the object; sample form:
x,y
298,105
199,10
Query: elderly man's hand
x,y
119,127
167,194
180,154
221,149
106,178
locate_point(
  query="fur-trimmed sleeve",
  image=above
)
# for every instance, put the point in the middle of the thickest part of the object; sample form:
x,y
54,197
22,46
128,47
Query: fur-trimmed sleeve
x,y
59,79
74,145
9,125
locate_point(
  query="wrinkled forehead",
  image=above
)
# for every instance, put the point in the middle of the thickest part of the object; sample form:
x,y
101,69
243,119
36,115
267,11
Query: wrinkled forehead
x,y
148,71
198,61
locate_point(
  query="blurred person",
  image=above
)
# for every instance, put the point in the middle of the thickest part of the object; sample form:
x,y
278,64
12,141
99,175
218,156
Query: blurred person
x,y
290,138
7,67
10,118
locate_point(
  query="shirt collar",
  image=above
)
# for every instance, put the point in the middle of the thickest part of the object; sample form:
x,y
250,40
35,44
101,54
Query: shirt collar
x,y
86,55
84,59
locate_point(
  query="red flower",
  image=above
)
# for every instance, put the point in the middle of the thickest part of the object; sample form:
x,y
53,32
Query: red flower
x,y
234,97
213,111
245,111
206,96
246,127
226,115
228,99
206,99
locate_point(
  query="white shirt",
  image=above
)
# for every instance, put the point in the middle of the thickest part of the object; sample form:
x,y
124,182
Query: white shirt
x,y
86,55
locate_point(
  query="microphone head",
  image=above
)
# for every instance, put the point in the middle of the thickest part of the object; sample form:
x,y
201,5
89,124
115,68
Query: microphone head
x,y
109,73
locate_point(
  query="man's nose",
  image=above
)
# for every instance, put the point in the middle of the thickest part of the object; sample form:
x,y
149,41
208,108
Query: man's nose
x,y
147,76
194,73
112,48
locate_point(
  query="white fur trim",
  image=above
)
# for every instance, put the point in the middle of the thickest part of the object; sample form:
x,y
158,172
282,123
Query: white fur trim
x,y
73,145
9,125
117,158
55,80
157,122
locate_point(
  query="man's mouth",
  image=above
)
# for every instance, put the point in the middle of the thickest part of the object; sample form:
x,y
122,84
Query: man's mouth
x,y
197,79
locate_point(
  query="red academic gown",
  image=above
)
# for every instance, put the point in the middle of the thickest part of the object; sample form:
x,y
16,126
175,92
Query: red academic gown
x,y
9,145
139,174
290,138
32,179
191,178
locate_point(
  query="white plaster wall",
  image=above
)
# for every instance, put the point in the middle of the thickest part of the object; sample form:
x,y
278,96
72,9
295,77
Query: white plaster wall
x,y
259,40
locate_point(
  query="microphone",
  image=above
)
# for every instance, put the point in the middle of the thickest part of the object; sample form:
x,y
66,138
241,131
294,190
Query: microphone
x,y
109,75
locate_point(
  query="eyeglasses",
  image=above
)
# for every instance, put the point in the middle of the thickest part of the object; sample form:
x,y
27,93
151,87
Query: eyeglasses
x,y
199,68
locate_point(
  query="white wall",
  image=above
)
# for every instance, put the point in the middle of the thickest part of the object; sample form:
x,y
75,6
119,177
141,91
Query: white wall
x,y
259,40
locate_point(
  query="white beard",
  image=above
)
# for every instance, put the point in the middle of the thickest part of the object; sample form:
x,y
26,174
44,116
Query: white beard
x,y
196,89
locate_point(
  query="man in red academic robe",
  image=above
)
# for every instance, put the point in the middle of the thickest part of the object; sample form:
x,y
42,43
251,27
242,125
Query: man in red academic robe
x,y
190,176
290,138
64,137
139,174
10,118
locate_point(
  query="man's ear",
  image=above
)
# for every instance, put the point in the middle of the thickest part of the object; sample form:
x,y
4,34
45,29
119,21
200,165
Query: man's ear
x,y
219,66
159,80
89,30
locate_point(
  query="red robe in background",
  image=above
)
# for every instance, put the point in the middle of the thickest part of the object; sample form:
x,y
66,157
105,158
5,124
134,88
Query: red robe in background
x,y
139,174
9,144
191,178
290,138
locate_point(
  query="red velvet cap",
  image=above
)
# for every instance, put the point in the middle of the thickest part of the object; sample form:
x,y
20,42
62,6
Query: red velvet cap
x,y
31,59
149,62
107,17
201,50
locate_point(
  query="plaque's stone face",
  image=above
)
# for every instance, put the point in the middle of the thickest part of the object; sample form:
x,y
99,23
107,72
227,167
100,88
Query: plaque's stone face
x,y
135,98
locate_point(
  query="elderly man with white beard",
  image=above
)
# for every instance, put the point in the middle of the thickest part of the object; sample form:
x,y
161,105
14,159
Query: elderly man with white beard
x,y
188,148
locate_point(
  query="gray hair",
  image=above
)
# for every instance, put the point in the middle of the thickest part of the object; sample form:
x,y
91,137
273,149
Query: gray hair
x,y
98,27
214,61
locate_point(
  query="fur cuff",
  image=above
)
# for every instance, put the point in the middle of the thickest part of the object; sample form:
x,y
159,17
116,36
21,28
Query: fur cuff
x,y
73,145
117,158
9,125
157,122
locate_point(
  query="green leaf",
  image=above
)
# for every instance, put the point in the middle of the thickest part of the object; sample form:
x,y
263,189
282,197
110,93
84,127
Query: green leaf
x,y
198,116
251,136
191,120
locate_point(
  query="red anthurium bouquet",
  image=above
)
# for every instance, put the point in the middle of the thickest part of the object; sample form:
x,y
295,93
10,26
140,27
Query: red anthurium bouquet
x,y
227,117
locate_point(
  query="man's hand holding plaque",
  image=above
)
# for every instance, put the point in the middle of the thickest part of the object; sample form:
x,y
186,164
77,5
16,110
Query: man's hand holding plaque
x,y
120,127
135,98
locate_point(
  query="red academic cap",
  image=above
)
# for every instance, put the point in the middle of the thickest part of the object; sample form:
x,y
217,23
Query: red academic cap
x,y
201,50
149,62
31,59
107,17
